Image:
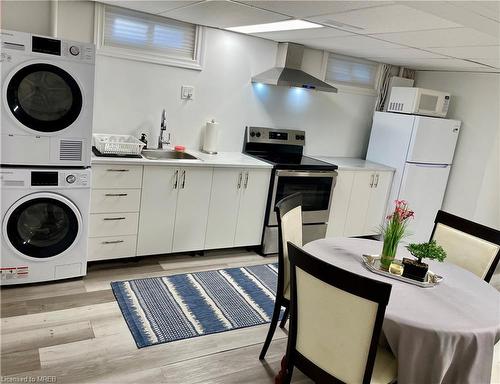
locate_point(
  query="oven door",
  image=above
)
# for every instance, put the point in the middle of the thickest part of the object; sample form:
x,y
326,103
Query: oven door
x,y
316,188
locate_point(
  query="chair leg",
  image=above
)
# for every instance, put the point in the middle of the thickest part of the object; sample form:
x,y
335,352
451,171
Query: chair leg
x,y
272,328
284,318
287,369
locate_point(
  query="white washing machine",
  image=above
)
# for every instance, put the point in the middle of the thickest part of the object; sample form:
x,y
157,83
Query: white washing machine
x,y
47,100
45,214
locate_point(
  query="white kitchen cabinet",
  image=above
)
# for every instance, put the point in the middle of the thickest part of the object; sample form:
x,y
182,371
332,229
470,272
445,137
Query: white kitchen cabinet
x,y
237,207
359,202
194,187
114,211
377,205
339,207
224,206
252,207
157,213
174,209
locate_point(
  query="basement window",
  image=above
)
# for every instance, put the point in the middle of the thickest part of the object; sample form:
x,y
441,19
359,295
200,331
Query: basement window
x,y
351,72
140,36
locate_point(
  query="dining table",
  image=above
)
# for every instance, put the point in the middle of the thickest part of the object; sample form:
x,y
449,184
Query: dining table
x,y
440,334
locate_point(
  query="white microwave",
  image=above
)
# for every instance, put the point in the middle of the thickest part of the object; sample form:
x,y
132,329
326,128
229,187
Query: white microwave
x,y
419,101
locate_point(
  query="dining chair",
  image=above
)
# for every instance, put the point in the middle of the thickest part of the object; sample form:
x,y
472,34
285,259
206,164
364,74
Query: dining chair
x,y
336,319
289,212
469,245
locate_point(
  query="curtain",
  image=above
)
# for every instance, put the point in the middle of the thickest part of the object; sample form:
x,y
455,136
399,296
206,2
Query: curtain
x,y
383,86
407,73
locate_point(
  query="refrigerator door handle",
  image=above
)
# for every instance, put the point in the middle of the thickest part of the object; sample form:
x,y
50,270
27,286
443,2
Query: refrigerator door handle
x,y
424,165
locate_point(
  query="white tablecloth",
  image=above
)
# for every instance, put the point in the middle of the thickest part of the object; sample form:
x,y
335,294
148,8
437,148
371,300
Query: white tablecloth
x,y
443,334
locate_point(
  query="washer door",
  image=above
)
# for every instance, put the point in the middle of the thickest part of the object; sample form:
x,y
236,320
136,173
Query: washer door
x,y
42,225
44,97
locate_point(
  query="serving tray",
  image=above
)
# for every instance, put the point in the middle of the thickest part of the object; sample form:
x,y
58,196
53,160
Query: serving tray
x,y
372,263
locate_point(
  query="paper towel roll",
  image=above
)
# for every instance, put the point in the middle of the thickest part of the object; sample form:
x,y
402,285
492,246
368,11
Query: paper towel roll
x,y
211,135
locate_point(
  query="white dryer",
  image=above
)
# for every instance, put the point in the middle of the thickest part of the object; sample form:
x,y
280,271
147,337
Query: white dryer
x,y
44,224
47,100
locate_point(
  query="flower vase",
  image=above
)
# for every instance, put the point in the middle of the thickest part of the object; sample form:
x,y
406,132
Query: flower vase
x,y
389,250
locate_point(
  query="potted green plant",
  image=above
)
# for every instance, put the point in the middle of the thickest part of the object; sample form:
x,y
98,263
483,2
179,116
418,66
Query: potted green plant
x,y
393,230
415,269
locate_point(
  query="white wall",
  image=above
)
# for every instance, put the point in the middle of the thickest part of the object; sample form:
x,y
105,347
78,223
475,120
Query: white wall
x,y
29,16
129,95
474,186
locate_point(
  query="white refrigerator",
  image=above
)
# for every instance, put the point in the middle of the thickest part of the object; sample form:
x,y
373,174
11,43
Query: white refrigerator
x,y
421,150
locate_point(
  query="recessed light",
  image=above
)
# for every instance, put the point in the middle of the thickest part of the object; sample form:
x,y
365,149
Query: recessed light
x,y
287,25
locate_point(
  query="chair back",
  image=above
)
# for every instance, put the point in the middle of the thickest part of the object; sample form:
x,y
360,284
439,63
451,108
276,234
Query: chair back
x,y
469,245
335,321
289,212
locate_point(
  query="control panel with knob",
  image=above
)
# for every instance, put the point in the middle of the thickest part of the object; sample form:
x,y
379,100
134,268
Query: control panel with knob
x,y
275,136
74,50
70,179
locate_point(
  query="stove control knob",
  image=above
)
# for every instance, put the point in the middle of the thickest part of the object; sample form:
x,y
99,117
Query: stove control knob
x,y
257,134
74,50
252,134
70,179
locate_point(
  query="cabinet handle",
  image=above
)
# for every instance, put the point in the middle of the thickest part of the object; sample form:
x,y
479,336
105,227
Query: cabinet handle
x,y
240,176
371,180
113,218
176,180
117,170
183,178
116,194
246,180
376,180
113,242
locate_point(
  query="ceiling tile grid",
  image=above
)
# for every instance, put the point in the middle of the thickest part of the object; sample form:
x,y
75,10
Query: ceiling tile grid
x,y
419,34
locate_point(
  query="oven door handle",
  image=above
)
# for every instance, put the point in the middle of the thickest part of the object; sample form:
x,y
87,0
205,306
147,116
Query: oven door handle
x,y
282,172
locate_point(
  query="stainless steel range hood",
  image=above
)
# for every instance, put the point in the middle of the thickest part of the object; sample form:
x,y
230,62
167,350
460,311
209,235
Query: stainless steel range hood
x,y
288,71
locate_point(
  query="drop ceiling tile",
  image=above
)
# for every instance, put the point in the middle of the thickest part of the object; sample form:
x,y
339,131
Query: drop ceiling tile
x,y
405,53
441,64
309,8
455,12
304,34
391,18
223,14
355,45
493,62
489,9
449,37
484,52
150,6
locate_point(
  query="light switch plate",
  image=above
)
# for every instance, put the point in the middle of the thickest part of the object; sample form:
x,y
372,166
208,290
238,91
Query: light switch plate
x,y
187,92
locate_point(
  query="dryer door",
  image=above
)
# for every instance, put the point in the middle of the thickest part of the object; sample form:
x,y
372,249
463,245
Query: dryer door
x,y
42,225
44,97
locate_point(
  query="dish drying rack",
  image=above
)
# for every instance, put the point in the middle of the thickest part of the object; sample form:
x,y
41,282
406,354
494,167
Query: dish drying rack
x,y
117,144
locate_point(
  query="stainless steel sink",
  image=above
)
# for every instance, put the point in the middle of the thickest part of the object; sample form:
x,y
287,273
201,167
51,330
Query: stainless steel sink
x,y
162,154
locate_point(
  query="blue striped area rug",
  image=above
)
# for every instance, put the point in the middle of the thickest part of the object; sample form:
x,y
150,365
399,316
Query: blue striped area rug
x,y
163,309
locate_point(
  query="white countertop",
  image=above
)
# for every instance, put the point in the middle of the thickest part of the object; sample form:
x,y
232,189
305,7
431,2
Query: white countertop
x,y
222,159
353,164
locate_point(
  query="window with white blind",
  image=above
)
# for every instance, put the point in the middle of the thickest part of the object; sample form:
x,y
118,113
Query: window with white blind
x,y
352,72
140,36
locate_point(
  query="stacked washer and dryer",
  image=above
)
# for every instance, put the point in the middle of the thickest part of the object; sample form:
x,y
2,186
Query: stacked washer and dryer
x,y
46,132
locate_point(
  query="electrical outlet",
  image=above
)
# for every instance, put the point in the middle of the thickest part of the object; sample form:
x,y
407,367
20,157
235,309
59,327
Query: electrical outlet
x,y
187,92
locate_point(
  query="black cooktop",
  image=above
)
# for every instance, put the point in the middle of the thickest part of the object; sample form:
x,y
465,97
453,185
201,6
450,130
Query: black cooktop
x,y
293,161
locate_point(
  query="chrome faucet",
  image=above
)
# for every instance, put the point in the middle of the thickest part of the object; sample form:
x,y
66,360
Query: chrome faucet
x,y
163,128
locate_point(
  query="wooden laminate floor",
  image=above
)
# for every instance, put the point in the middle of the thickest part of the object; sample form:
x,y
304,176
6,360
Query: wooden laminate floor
x,y
73,332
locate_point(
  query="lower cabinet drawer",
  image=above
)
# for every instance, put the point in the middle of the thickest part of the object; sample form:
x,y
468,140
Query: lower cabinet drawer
x,y
111,247
113,224
115,200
